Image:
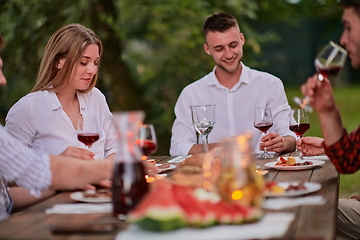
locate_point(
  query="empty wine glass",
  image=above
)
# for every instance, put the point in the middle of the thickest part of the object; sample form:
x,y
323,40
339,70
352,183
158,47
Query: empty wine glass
x,y
203,118
87,131
328,62
147,141
263,121
299,123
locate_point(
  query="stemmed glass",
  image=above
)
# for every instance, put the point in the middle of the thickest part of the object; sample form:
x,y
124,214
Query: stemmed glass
x,y
328,62
147,141
299,123
263,121
87,131
203,117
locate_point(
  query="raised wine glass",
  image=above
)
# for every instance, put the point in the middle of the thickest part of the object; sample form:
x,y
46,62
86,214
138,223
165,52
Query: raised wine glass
x,y
203,117
299,123
328,62
147,141
263,121
87,131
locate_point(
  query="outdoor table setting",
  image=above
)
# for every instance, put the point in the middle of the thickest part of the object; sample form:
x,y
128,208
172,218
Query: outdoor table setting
x,y
309,214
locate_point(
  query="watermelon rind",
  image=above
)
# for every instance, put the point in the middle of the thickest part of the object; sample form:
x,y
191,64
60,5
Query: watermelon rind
x,y
157,225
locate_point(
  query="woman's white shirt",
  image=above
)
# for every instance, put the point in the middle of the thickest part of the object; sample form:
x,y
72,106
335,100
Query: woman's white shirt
x,y
39,122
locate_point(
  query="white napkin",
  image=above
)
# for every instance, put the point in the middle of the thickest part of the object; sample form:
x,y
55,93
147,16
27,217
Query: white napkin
x,y
80,208
272,225
178,159
317,157
280,203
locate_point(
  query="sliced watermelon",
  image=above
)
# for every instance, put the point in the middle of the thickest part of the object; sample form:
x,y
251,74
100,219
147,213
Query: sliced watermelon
x,y
197,214
158,210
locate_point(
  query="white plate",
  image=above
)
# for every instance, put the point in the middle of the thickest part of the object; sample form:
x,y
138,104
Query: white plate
x,y
279,167
165,169
310,187
320,157
79,196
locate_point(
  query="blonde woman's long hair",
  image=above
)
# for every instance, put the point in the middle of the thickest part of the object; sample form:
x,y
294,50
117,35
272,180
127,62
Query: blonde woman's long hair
x,y
68,42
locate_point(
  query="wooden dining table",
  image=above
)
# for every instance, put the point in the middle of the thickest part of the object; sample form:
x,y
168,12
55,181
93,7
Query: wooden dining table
x,y
310,222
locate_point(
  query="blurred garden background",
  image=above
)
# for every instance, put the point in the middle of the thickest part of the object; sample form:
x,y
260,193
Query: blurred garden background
x,y
154,48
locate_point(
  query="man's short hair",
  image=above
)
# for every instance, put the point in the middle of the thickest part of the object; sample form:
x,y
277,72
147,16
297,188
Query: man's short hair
x,y
350,3
218,22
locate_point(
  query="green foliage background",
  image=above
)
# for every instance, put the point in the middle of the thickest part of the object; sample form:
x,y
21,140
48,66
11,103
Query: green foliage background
x,y
152,48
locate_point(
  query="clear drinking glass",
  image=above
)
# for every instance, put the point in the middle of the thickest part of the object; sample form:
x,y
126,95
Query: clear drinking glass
x,y
147,141
203,117
299,123
328,62
88,131
263,121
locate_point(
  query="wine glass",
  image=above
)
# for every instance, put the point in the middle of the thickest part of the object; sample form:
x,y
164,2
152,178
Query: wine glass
x,y
299,123
87,131
203,117
328,62
263,121
147,141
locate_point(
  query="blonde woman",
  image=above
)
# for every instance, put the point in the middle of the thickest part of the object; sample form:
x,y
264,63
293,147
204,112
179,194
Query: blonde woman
x,y
46,119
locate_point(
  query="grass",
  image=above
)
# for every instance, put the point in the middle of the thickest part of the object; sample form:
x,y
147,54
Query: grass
x,y
348,102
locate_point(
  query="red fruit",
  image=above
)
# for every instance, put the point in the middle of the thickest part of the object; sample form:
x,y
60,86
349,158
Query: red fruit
x,y
158,210
196,213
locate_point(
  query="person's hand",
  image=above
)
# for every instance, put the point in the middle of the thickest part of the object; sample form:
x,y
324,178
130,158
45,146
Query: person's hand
x,y
80,153
150,168
310,146
356,197
320,93
273,142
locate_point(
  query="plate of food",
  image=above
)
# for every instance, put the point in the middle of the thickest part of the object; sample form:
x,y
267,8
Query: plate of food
x,y
293,163
92,196
290,189
165,166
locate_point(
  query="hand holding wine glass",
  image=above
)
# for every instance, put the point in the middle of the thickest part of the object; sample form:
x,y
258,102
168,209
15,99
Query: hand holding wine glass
x,y
328,62
147,141
299,123
87,131
203,118
263,121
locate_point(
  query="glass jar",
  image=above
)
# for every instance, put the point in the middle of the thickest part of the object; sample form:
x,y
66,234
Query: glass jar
x,y
129,183
233,172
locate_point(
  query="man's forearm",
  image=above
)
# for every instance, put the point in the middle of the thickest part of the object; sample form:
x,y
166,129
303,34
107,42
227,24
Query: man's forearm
x,y
70,173
289,144
198,148
331,126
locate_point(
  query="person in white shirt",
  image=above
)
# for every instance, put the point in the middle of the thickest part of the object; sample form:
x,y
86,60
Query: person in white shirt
x,y
47,117
37,171
236,90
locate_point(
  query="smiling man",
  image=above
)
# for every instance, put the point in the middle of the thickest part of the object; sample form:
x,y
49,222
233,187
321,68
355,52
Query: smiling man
x,y
236,90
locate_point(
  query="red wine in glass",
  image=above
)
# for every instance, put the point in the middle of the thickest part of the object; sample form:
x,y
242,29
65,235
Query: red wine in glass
x,y
300,129
329,71
87,131
263,121
148,147
147,140
88,138
328,62
299,123
263,127
128,187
